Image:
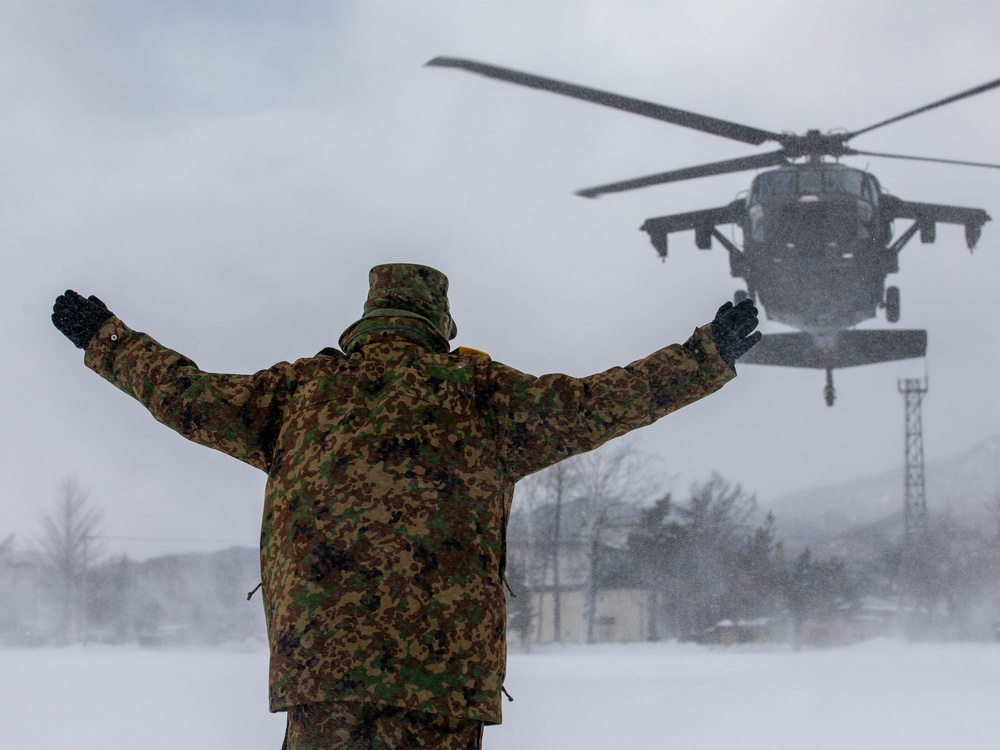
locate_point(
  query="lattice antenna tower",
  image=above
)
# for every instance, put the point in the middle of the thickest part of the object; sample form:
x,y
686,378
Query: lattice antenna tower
x,y
915,498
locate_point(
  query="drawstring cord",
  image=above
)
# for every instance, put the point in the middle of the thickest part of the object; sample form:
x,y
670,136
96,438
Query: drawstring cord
x,y
254,590
507,586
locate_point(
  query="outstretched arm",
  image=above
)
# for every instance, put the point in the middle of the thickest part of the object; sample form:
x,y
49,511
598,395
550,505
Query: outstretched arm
x,y
237,414
542,420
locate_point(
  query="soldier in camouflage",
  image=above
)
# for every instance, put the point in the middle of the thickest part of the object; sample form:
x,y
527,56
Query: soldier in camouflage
x,y
391,466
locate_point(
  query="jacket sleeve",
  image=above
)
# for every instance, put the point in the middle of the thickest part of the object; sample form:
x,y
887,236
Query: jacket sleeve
x,y
237,414
542,420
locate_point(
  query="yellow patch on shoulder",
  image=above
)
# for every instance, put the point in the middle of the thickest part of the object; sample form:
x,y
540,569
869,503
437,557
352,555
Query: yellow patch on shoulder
x,y
469,351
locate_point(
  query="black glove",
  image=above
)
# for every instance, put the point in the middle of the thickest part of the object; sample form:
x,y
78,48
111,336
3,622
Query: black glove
x,y
733,330
79,318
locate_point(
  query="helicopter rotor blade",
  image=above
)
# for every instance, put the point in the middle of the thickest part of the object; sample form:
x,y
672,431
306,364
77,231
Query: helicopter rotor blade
x,y
704,123
924,158
758,161
971,92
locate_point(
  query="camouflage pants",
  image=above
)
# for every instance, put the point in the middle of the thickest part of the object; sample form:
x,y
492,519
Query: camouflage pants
x,y
352,726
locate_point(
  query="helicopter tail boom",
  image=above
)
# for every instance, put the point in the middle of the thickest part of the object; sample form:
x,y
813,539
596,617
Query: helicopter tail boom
x,y
836,350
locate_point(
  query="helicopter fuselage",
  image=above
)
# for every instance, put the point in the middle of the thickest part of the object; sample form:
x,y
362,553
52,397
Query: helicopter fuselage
x,y
817,236
815,246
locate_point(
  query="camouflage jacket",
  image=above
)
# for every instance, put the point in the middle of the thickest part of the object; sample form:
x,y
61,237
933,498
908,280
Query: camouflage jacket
x,y
390,477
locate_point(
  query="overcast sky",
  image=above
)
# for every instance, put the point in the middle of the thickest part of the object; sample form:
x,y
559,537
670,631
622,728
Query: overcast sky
x,y
224,174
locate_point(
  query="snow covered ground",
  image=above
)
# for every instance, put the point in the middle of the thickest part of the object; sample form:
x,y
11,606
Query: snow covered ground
x,y
880,696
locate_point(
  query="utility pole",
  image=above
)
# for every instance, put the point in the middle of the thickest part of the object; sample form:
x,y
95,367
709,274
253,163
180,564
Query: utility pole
x,y
560,476
915,497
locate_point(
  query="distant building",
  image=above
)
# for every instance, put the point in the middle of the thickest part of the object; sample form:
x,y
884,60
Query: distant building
x,y
621,616
730,633
595,595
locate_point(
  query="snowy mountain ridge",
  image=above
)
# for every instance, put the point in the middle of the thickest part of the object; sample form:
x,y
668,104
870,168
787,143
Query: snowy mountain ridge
x,y
870,509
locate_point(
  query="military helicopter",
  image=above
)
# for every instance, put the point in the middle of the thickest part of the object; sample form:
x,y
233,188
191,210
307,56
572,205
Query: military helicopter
x,y
817,235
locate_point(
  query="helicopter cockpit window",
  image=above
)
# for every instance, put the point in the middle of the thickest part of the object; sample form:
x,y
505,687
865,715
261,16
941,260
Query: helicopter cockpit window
x,y
774,183
810,182
870,193
813,182
842,181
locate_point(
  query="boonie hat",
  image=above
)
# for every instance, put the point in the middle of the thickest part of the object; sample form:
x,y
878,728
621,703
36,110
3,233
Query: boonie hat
x,y
402,295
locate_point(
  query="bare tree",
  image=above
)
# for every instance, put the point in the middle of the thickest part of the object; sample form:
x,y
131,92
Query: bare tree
x,y
567,535
70,547
8,586
607,479
556,481
539,532
527,560
994,510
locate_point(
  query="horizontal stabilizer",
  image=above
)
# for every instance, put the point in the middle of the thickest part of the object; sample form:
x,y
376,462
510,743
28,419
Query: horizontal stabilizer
x,y
836,350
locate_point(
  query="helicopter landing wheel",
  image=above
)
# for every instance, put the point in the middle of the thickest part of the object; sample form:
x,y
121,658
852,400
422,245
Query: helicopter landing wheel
x,y
892,304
